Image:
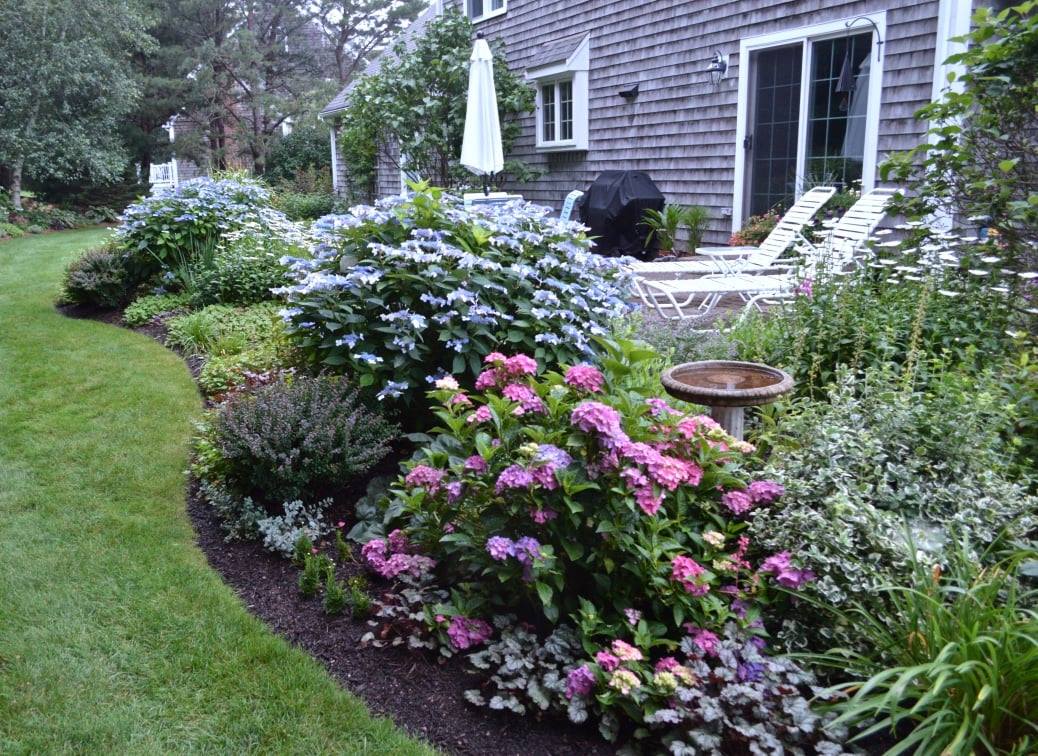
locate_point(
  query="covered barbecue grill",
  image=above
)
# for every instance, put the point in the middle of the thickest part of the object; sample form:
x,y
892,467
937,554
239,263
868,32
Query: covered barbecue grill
x,y
613,207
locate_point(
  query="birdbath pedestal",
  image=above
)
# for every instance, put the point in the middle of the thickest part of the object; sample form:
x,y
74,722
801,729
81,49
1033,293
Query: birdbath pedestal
x,y
727,388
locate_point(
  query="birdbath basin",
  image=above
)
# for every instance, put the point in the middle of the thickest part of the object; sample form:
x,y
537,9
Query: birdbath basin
x,y
727,388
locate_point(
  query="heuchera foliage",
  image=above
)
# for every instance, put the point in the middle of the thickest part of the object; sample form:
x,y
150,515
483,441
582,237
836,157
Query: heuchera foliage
x,y
414,287
578,493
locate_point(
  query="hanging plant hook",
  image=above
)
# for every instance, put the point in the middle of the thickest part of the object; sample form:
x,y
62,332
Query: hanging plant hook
x,y
879,38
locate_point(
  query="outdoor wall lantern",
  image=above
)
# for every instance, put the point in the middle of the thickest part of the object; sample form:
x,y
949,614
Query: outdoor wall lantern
x,y
718,67
630,94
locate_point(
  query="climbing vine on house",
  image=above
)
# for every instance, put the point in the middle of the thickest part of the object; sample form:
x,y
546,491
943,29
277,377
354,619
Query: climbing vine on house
x,y
418,103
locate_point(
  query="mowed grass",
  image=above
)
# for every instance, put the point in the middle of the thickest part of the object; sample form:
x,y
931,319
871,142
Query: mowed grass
x,y
115,635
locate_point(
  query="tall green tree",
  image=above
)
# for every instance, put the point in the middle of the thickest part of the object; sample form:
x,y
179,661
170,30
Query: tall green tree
x,y
66,83
415,108
981,158
357,29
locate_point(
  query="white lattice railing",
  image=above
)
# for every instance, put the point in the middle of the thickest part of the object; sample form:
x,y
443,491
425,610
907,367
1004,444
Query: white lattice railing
x,y
163,175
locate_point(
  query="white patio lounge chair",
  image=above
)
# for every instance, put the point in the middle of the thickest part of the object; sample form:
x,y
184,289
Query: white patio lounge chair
x,y
789,230
697,298
567,206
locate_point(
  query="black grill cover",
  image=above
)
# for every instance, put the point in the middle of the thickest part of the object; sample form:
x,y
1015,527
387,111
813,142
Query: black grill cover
x,y
613,207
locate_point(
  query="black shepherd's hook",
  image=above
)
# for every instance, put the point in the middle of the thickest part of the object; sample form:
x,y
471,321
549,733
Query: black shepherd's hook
x,y
879,38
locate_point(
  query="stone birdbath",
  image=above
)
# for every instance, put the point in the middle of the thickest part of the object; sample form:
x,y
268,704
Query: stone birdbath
x,y
727,388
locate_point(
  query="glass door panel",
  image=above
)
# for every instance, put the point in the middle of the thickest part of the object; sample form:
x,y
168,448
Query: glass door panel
x,y
838,95
775,126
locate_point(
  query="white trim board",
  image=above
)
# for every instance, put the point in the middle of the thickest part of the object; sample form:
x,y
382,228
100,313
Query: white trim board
x,y
803,35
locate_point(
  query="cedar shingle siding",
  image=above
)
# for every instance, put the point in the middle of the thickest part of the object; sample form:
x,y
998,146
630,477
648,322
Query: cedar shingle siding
x,y
681,128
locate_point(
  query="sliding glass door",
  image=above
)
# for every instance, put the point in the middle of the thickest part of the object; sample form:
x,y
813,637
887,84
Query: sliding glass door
x,y
808,114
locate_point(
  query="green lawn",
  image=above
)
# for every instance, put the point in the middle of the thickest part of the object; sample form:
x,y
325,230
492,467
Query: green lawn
x,y
115,636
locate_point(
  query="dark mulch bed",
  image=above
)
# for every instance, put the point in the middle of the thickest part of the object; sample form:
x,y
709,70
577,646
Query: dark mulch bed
x,y
419,692
421,695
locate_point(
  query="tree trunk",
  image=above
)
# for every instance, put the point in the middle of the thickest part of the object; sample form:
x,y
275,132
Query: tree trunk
x,y
16,184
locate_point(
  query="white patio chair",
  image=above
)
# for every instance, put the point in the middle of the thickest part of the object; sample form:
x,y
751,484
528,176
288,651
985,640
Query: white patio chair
x,y
731,260
697,298
568,205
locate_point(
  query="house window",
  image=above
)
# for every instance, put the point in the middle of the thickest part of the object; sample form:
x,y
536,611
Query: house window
x,y
480,10
808,114
562,101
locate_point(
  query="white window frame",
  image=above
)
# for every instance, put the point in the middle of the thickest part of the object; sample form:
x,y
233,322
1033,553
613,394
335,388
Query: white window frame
x,y
575,70
332,134
487,14
805,35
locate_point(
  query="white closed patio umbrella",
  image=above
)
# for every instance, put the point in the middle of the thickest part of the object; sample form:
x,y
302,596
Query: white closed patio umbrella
x,y
481,150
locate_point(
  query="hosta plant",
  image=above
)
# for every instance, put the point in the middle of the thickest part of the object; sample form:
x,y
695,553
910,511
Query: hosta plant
x,y
417,286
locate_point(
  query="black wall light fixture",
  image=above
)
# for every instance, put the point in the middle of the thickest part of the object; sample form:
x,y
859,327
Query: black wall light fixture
x,y
718,67
630,94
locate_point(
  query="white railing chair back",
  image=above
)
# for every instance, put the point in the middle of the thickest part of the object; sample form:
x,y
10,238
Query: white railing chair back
x,y
789,231
162,176
849,233
569,204
698,298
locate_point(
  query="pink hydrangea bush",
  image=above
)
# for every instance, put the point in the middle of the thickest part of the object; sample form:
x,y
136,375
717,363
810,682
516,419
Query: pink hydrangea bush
x,y
543,489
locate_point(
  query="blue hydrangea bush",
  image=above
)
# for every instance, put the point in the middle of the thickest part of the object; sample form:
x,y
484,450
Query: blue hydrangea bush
x,y
414,287
169,229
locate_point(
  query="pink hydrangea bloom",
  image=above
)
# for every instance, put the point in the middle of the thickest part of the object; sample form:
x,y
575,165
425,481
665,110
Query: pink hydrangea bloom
x,y
634,477
520,364
738,502
649,502
580,681
765,491
706,641
413,564
461,398
466,633
398,542
659,407
493,358
696,425
738,558
513,476
447,382
607,661
487,379
454,490
690,574
667,664
633,616
671,472
545,477
500,548
374,553
785,574
481,415
626,652
585,377
542,516
526,397
427,477
476,464
595,417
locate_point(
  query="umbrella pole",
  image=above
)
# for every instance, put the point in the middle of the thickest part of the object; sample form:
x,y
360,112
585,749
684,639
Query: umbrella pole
x,y
486,184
